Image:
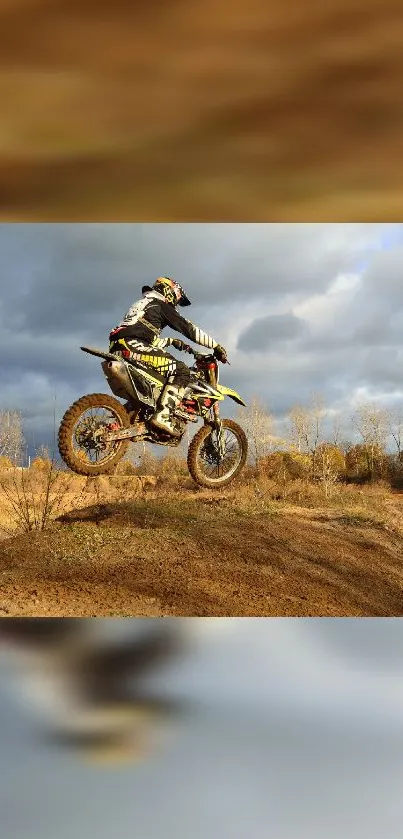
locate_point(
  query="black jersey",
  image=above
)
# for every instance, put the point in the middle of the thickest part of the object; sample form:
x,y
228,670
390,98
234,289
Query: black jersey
x,y
148,316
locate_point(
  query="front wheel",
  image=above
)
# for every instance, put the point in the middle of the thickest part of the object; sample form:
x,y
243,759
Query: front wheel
x,y
81,431
213,465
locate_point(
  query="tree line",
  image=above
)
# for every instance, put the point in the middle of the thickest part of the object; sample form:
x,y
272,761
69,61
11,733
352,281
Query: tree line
x,y
320,445
312,442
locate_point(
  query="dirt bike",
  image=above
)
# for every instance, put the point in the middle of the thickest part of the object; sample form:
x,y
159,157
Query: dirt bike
x,y
92,442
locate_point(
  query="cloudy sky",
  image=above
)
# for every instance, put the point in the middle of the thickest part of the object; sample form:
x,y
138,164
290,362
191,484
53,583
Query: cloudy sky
x,y
300,307
298,736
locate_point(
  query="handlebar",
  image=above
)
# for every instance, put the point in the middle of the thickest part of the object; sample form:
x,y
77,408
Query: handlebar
x,y
203,356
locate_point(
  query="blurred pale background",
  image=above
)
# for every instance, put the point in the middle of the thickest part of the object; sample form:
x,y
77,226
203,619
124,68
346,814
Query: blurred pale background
x,y
296,733
201,110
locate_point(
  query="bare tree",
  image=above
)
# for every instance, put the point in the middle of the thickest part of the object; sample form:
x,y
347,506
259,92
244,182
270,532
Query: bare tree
x,y
307,426
330,466
258,424
372,423
300,421
318,413
11,435
336,433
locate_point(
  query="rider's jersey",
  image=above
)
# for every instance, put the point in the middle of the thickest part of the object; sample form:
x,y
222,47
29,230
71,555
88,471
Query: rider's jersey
x,y
149,316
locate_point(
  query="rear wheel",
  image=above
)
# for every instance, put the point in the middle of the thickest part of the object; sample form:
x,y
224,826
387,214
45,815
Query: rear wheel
x,y
211,467
81,431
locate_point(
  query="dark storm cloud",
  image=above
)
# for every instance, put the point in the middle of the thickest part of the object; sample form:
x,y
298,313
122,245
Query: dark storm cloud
x,y
273,329
364,340
82,275
84,280
280,386
264,290
227,261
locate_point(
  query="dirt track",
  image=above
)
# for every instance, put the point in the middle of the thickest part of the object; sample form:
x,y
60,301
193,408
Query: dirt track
x,y
199,555
258,111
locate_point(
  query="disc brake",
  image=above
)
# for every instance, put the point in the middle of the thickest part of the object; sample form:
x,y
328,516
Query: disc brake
x,y
87,436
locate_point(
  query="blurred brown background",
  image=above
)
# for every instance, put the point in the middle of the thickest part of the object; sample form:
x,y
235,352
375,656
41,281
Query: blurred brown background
x,y
201,110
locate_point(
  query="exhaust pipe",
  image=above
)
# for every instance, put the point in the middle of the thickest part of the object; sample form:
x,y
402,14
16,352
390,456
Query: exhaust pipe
x,y
118,379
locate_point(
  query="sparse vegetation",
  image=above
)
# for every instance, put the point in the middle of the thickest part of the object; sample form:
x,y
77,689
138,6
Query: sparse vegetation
x,y
301,467
313,526
252,549
31,497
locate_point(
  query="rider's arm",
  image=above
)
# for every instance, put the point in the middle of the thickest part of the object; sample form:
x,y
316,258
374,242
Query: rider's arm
x,y
187,328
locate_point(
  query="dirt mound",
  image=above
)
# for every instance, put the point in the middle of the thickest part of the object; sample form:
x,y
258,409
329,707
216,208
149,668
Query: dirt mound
x,y
103,484
205,555
104,487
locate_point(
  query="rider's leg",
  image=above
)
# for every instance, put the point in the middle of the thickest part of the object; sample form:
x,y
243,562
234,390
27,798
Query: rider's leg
x,y
176,371
172,395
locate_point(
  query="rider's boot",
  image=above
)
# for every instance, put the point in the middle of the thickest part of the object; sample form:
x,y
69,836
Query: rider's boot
x,y
170,399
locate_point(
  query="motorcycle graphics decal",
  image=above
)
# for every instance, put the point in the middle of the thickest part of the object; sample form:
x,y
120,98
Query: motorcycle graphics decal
x,y
226,391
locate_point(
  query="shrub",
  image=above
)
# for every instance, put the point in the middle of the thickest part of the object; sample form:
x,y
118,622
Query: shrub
x,y
42,463
125,467
365,463
5,462
286,466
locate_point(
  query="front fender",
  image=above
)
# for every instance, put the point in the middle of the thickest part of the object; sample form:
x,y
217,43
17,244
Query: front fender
x,y
226,391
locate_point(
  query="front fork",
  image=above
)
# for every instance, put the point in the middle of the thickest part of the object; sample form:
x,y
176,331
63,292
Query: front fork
x,y
219,429
216,417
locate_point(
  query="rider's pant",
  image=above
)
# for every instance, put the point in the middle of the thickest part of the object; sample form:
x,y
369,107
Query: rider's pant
x,y
154,358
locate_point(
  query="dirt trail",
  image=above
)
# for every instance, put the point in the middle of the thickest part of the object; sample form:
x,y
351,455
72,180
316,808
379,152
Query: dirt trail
x,y
200,555
260,111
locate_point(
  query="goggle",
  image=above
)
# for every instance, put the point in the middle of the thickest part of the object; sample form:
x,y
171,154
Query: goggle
x,y
178,291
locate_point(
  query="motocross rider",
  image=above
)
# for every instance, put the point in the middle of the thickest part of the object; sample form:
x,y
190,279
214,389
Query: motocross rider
x,y
137,338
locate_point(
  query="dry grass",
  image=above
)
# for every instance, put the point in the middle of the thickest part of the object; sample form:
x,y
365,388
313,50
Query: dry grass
x,y
300,494
240,551
31,499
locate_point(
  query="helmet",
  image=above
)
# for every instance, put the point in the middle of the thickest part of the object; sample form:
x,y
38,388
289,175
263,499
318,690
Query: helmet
x,y
171,290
